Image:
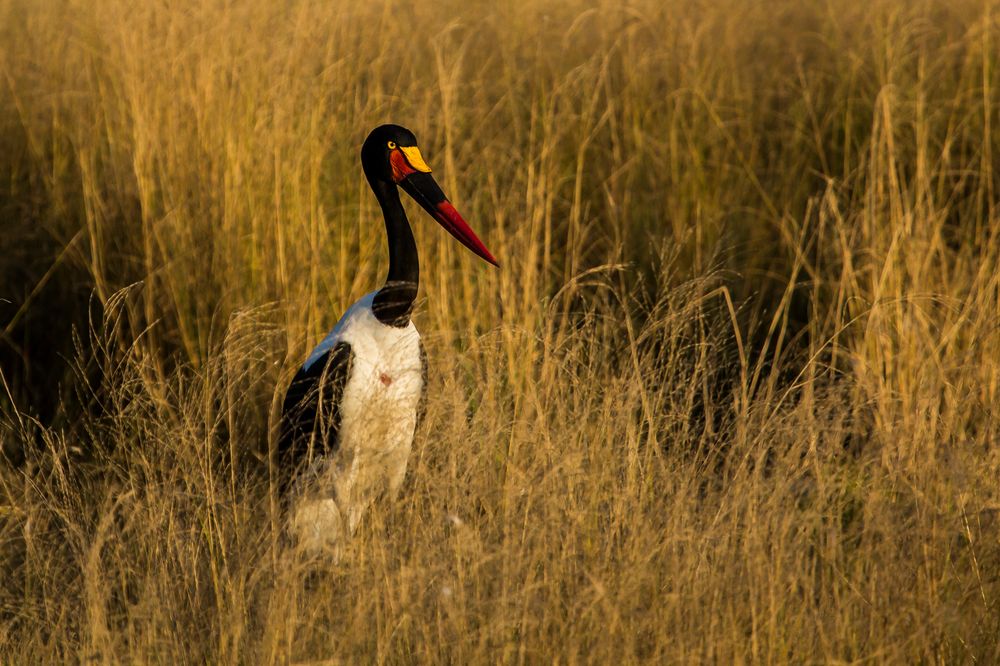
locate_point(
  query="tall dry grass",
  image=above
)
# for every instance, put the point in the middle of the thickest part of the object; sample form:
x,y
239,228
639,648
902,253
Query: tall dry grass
x,y
730,399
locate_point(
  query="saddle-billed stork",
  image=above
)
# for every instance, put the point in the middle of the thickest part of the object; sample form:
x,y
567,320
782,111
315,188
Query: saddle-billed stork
x,y
350,412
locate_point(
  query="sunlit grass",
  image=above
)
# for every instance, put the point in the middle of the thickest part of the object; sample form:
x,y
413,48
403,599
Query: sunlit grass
x,y
731,397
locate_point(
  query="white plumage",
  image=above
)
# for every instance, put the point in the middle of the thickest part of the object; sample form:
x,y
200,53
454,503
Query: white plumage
x,y
378,411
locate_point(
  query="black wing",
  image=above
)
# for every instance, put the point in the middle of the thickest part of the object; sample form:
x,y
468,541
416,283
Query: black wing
x,y
310,415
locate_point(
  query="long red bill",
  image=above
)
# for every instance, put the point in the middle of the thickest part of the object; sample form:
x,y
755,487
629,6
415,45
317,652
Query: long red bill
x,y
452,221
425,191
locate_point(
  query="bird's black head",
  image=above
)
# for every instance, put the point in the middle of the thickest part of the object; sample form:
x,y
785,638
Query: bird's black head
x,y
390,156
377,154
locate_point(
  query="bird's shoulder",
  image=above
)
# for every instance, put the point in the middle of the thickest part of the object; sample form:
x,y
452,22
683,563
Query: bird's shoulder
x,y
369,339
341,331
334,362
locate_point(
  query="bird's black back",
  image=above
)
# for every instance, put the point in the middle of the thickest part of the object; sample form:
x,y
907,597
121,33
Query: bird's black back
x,y
310,414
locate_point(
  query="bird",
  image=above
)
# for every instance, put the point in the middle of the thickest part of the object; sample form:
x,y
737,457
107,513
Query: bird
x,y
350,412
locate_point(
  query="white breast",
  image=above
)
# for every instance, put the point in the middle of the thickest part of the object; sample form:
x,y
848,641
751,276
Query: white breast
x,y
378,412
379,405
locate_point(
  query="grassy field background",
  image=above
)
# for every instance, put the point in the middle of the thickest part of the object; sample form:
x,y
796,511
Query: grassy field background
x,y
731,398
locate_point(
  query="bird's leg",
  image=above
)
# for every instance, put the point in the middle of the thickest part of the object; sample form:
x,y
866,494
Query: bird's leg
x,y
348,486
397,470
354,514
318,524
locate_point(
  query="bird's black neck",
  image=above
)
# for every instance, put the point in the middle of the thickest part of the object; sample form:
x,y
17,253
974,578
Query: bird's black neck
x,y
394,301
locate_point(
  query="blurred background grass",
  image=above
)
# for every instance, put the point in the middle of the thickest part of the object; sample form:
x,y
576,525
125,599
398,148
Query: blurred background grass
x,y
730,398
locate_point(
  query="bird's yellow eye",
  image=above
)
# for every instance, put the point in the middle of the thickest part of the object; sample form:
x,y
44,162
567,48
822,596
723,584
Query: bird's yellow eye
x,y
392,145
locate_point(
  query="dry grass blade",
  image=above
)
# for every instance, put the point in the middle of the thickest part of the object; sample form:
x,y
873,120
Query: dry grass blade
x,y
732,397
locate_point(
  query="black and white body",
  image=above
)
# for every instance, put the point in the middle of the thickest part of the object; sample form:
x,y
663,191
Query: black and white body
x,y
350,412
